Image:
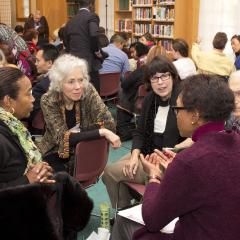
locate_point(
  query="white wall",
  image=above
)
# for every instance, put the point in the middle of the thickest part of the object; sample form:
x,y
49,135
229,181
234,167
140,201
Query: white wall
x,y
110,15
218,16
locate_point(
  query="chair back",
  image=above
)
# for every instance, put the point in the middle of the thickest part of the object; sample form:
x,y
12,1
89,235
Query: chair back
x,y
139,99
38,121
90,160
109,84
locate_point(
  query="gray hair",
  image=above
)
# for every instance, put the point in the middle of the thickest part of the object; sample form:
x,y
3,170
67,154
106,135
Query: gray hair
x,y
2,59
62,67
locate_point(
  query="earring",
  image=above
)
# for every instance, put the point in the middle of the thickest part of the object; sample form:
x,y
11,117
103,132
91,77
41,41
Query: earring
x,y
12,110
193,123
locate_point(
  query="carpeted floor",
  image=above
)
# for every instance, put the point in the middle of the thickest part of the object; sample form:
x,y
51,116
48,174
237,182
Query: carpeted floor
x,y
99,194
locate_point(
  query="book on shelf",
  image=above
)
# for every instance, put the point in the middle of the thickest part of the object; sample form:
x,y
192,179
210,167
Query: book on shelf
x,y
143,14
141,2
159,2
163,30
141,28
124,25
163,13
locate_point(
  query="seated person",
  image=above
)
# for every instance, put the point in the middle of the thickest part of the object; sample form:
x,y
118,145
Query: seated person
x,y
233,122
129,89
147,39
21,164
215,61
20,161
184,65
157,128
73,111
235,42
44,61
117,60
31,38
197,185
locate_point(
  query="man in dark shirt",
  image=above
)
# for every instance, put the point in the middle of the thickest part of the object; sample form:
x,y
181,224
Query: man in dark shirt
x,y
81,38
44,61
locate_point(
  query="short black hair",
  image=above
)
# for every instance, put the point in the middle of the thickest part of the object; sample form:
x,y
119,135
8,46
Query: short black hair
x,y
208,94
181,46
220,40
86,3
19,29
50,52
141,49
9,77
160,64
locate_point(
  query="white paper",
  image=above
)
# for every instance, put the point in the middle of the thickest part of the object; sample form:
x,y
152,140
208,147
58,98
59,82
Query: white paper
x,y
135,214
103,234
93,236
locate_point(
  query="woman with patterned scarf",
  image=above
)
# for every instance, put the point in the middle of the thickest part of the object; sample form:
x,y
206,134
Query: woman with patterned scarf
x,y
73,112
157,128
20,160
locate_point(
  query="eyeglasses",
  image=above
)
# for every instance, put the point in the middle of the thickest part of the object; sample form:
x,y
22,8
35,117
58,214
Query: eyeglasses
x,y
164,77
176,109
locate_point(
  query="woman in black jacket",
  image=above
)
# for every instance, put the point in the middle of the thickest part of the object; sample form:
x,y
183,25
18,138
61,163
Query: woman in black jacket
x,y
157,128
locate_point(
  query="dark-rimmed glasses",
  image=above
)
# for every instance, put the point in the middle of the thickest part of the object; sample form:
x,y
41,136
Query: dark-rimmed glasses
x,y
164,77
176,109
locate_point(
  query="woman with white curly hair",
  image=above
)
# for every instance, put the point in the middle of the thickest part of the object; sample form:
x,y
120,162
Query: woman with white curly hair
x,y
73,112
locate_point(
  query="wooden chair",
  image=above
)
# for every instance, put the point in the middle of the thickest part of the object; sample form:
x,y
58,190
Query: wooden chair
x,y
109,86
90,160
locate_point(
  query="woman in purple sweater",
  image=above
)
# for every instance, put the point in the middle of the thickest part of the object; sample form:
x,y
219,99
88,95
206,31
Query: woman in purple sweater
x,y
201,185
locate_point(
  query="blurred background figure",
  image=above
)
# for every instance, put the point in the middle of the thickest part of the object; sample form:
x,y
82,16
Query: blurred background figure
x,y
184,65
233,122
19,30
147,39
103,39
235,42
36,22
31,38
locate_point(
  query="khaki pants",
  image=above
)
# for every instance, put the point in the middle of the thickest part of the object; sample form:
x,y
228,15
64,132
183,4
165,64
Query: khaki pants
x,y
113,174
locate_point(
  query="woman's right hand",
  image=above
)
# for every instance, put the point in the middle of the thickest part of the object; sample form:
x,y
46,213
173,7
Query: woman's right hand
x,y
40,173
111,137
164,158
130,168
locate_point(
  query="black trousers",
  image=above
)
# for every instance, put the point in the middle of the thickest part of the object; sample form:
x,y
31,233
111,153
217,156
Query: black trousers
x,y
94,79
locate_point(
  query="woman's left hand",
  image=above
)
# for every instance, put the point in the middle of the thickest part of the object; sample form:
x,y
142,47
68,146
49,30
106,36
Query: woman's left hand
x,y
111,137
150,164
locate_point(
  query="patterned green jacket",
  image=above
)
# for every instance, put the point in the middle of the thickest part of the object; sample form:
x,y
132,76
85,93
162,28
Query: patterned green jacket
x,y
92,112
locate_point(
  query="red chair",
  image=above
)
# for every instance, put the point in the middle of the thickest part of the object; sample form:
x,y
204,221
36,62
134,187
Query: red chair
x,y
109,85
90,160
38,121
136,188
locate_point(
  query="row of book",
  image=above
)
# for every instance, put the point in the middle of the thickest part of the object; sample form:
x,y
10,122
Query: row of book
x,y
124,25
140,29
143,14
167,44
163,30
163,1
142,2
163,13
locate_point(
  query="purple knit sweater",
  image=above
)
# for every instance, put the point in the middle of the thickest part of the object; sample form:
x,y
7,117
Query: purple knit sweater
x,y
201,187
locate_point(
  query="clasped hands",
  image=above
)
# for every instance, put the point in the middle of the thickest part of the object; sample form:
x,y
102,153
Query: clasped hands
x,y
40,173
151,163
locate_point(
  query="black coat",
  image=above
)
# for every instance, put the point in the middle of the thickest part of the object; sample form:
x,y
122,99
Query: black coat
x,y
13,161
44,211
81,37
171,135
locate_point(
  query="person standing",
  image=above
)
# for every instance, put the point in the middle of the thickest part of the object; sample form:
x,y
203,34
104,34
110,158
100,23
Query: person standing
x,y
81,38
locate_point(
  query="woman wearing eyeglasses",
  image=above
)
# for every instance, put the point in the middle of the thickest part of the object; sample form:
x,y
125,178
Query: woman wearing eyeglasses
x,y
157,128
201,185
235,42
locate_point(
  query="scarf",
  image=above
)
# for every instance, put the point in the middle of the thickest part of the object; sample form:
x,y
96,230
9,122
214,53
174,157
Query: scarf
x,y
19,130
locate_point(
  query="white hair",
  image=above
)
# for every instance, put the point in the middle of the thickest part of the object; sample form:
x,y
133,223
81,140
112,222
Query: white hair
x,y
2,59
62,67
234,81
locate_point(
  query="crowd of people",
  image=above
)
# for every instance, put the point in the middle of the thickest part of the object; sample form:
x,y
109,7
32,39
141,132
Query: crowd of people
x,y
192,103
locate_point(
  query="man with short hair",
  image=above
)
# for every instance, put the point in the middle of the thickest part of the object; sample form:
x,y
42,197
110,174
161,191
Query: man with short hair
x,y
214,61
81,38
117,60
44,61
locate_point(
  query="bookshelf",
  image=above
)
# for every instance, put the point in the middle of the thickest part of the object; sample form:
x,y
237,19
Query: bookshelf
x,y
164,19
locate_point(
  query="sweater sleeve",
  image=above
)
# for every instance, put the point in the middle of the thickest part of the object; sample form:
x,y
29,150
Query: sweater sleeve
x,y
175,196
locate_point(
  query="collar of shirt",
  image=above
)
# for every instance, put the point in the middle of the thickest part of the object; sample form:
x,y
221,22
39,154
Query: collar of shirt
x,y
216,126
84,9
